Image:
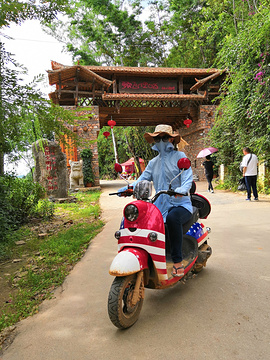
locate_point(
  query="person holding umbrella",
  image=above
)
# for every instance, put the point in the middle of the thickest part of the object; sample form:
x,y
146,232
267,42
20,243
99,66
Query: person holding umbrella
x,y
208,165
208,170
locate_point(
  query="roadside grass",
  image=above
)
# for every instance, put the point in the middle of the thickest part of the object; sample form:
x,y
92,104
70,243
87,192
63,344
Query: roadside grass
x,y
50,258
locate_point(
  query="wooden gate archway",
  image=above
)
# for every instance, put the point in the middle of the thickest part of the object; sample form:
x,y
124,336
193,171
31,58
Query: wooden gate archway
x,y
140,96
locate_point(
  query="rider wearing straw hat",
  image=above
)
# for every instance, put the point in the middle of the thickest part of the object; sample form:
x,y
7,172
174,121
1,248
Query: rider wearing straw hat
x,y
161,170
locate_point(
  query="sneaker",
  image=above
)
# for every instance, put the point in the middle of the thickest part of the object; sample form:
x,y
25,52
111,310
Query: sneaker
x,y
256,199
212,191
248,199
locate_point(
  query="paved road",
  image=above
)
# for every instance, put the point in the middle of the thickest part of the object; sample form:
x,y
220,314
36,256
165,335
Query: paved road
x,y
221,314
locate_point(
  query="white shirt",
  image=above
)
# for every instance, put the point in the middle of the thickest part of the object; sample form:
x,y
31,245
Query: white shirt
x,y
252,165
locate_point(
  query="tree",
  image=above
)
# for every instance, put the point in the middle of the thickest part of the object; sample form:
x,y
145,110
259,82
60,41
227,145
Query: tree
x,y
108,32
130,143
243,116
232,34
14,11
25,115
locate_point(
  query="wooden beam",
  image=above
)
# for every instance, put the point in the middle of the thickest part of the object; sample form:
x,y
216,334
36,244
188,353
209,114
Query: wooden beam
x,y
86,93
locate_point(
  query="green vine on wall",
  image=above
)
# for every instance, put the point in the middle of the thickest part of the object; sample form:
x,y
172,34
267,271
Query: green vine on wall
x,y
88,174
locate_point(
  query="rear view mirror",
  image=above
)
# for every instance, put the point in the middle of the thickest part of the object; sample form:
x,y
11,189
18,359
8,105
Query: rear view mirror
x,y
118,168
183,163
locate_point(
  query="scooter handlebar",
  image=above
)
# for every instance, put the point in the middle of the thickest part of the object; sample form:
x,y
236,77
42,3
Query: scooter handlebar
x,y
125,193
167,192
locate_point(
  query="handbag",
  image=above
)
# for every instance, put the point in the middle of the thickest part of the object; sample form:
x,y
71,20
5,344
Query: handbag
x,y
242,184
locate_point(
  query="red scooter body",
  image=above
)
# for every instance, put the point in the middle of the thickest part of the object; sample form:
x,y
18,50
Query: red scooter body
x,y
143,258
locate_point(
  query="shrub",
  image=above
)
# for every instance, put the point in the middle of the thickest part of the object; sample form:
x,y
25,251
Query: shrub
x,y
44,209
19,200
88,175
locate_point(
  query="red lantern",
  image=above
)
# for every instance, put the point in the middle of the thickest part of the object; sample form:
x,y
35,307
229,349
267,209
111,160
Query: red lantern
x,y
111,123
187,122
106,134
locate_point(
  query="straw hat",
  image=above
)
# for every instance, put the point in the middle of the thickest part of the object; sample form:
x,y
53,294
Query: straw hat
x,y
162,130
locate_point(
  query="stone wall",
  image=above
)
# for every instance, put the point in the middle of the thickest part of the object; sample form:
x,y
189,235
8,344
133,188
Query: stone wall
x,y
196,137
50,168
87,127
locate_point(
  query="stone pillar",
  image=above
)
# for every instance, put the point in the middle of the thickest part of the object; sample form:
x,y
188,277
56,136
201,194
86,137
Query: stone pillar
x,y
50,168
222,172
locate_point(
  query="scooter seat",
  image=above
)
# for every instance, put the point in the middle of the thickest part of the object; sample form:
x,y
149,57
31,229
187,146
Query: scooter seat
x,y
202,204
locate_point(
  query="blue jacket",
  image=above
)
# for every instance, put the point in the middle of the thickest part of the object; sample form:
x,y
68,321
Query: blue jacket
x,y
161,170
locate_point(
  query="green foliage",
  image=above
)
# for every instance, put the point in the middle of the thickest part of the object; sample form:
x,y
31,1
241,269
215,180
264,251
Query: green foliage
x,y
20,200
129,142
14,11
106,32
57,256
25,115
43,210
106,158
243,116
88,175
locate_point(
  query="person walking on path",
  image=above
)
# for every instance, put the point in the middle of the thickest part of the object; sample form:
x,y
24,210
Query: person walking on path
x,y
249,165
208,170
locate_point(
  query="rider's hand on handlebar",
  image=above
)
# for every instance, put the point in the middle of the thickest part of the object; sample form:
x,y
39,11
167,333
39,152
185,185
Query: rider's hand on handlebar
x,y
173,193
125,191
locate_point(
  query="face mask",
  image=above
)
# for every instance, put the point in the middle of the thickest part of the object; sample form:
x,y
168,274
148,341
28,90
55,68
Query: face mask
x,y
163,146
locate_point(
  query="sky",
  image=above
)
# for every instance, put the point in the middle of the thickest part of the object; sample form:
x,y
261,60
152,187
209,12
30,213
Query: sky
x,y
33,49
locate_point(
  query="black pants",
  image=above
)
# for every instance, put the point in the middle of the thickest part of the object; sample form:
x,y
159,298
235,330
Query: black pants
x,y
251,182
209,179
177,216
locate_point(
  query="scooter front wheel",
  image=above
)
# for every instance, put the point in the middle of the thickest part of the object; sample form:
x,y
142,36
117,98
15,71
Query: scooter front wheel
x,y
121,308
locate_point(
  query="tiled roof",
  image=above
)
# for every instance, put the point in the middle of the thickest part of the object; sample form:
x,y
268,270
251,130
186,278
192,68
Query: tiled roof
x,y
70,72
125,70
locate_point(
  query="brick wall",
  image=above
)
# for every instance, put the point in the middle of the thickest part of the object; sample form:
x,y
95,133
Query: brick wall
x,y
196,137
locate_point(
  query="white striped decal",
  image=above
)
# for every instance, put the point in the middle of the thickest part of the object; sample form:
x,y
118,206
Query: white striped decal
x,y
142,233
160,265
152,250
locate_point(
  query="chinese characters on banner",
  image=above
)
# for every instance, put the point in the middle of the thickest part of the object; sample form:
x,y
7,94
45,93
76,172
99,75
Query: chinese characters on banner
x,y
137,85
50,160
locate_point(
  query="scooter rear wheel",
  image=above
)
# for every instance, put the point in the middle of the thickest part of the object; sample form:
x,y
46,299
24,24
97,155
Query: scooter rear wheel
x,y
122,312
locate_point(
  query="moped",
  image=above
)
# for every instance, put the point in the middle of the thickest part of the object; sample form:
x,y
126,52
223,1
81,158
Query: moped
x,y
143,259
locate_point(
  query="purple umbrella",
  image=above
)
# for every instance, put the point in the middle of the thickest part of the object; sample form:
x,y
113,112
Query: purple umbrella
x,y
206,151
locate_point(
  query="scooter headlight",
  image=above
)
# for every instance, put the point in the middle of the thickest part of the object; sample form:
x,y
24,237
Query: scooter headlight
x,y
131,212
